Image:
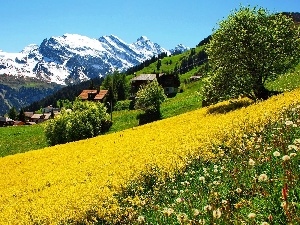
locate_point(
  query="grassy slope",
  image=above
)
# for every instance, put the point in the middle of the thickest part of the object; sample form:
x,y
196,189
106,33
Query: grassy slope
x,y
205,192
165,63
66,181
183,102
21,139
286,82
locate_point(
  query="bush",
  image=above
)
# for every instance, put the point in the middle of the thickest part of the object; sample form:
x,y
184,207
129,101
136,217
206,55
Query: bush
x,y
88,119
149,99
123,105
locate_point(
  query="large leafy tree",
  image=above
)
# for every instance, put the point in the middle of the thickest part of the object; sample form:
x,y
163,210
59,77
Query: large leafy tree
x,y
117,85
150,97
250,47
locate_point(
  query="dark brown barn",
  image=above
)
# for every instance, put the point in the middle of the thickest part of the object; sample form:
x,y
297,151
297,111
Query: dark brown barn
x,y
169,82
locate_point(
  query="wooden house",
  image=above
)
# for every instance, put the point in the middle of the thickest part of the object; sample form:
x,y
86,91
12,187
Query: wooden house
x,y
169,82
5,121
39,118
93,95
50,109
19,123
28,115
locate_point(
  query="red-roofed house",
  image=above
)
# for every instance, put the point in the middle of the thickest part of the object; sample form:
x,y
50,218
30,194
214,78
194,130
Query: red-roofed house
x,y
93,95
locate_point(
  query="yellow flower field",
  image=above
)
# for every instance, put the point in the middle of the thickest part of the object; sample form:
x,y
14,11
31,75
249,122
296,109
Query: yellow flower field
x,y
77,181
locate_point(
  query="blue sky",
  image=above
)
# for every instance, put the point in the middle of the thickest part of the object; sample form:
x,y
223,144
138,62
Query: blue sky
x,y
166,22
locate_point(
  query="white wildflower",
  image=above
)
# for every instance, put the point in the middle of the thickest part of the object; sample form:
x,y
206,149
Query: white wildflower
x,y
286,158
251,162
238,190
217,213
251,215
207,208
289,123
263,177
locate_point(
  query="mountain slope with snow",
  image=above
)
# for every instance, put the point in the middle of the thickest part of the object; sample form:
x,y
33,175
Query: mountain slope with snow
x,y
74,58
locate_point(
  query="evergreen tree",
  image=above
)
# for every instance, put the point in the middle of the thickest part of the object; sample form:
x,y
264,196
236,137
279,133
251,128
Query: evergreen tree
x,y
21,116
12,113
91,87
158,65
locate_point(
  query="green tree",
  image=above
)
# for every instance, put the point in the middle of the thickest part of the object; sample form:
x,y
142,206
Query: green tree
x,y
21,115
158,64
64,103
86,120
121,86
91,86
12,113
117,86
149,99
250,47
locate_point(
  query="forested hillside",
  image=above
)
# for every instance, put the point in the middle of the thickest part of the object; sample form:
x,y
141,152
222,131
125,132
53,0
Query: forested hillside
x,y
65,93
19,92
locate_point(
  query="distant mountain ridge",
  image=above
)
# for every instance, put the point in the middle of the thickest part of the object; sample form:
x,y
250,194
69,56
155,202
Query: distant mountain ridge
x,y
74,58
19,92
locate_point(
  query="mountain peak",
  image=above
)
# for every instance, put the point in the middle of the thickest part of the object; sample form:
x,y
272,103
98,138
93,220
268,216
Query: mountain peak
x,y
63,59
30,48
143,38
180,48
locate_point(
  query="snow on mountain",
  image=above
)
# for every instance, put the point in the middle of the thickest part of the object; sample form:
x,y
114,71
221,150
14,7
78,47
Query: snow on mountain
x,y
179,49
73,58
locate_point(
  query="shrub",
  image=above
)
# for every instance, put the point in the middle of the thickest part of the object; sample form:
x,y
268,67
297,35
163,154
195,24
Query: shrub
x,y
86,120
149,99
123,105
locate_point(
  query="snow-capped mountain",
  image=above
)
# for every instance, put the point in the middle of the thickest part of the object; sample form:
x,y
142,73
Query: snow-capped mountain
x,y
179,49
73,58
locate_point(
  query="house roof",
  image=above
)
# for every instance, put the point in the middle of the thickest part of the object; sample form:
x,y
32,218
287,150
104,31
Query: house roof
x,y
101,94
36,116
5,119
19,123
85,93
28,114
98,96
149,76
47,116
39,116
30,123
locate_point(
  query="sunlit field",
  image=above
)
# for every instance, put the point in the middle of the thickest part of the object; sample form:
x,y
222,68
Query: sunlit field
x,y
88,180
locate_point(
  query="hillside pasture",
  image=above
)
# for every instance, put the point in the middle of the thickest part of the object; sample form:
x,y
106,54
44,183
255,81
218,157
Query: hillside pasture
x,y
78,182
19,139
